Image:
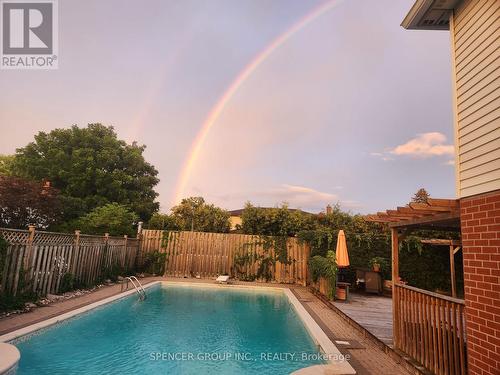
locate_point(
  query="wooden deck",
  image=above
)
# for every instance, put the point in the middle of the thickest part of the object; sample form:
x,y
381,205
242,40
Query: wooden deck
x,y
372,312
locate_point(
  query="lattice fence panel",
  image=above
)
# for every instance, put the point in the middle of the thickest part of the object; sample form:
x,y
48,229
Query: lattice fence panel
x,y
39,263
14,236
53,239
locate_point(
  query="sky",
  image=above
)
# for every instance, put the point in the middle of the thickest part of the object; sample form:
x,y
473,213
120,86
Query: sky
x,y
345,108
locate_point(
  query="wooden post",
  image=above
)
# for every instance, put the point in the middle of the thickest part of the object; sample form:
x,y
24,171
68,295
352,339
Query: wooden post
x,y
28,256
307,254
395,255
395,281
124,257
452,272
138,254
139,229
106,259
76,253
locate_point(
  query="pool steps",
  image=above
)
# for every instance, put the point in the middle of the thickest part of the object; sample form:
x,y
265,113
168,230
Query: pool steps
x,y
138,287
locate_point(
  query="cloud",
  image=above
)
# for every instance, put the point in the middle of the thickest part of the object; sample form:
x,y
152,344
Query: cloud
x,y
305,197
302,193
295,196
425,145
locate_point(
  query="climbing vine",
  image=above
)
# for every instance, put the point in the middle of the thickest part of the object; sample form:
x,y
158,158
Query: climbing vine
x,y
274,249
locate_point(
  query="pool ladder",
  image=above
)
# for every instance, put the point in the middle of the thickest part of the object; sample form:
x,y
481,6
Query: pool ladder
x,y
138,287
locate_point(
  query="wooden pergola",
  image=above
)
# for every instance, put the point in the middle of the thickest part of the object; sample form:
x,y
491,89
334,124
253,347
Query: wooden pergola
x,y
427,326
436,214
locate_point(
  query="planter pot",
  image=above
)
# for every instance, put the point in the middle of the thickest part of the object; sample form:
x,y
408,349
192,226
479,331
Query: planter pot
x,y
340,294
376,267
388,284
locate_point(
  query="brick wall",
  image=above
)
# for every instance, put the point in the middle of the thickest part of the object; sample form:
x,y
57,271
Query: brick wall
x,y
480,217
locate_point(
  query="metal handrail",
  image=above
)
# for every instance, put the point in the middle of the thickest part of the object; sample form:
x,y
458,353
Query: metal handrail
x,y
139,289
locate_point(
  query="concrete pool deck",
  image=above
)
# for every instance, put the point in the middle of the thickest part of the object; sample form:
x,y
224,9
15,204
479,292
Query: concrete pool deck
x,y
366,357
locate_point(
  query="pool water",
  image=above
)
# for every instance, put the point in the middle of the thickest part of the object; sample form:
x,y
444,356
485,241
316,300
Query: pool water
x,y
176,330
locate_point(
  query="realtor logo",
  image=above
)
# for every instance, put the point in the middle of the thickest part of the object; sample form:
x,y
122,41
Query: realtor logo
x,y
29,34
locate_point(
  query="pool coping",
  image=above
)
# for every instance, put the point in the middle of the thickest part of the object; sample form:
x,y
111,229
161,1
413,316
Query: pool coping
x,y
333,354
64,316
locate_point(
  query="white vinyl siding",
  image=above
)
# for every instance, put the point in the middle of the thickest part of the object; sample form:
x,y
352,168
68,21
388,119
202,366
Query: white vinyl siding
x,y
476,45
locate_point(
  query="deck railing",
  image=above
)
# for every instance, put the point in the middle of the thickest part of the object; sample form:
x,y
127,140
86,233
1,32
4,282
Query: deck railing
x,y
430,328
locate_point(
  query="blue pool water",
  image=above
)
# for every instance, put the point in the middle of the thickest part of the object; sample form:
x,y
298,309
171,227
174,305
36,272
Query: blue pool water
x,y
176,330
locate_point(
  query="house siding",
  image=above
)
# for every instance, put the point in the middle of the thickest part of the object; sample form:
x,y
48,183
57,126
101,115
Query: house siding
x,y
475,30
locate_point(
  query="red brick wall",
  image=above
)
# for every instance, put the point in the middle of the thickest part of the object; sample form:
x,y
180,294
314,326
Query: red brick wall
x,y
480,217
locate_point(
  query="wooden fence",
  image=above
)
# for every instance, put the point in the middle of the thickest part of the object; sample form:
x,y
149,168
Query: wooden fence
x,y
430,328
37,261
212,254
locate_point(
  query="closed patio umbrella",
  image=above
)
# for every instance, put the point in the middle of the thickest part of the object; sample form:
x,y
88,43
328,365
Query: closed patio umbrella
x,y
341,256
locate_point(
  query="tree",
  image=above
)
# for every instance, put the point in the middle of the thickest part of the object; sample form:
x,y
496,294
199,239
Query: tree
x,y
6,165
277,221
111,218
24,203
163,222
196,215
91,167
421,196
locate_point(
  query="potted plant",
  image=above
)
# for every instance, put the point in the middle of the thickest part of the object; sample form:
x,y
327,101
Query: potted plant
x,y
378,264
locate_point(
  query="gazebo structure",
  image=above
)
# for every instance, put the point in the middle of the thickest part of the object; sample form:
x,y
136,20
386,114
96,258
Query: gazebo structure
x,y
427,326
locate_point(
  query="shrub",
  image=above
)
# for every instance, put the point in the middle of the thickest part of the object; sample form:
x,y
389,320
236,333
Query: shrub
x,y
113,272
154,262
325,267
67,283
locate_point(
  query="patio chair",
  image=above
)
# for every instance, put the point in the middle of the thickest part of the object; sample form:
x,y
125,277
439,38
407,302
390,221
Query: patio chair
x,y
222,279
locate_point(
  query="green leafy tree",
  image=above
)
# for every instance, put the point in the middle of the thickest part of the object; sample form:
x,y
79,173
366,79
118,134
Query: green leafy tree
x,y
195,215
24,202
91,167
277,221
111,218
163,222
6,165
421,196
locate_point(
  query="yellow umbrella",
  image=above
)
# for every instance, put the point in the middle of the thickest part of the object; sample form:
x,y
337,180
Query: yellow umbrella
x,y
341,255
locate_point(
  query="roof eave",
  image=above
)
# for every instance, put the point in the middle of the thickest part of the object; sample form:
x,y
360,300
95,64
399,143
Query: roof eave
x,y
421,9
416,12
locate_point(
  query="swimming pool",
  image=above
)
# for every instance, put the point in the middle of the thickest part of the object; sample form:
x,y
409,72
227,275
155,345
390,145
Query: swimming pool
x,y
177,329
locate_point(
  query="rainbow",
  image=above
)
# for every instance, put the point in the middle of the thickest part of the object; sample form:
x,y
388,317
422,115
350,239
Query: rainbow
x,y
217,110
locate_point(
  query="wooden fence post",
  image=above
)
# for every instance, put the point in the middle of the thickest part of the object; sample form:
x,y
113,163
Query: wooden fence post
x,y
139,229
307,254
125,239
28,257
138,254
395,291
452,272
76,254
106,250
